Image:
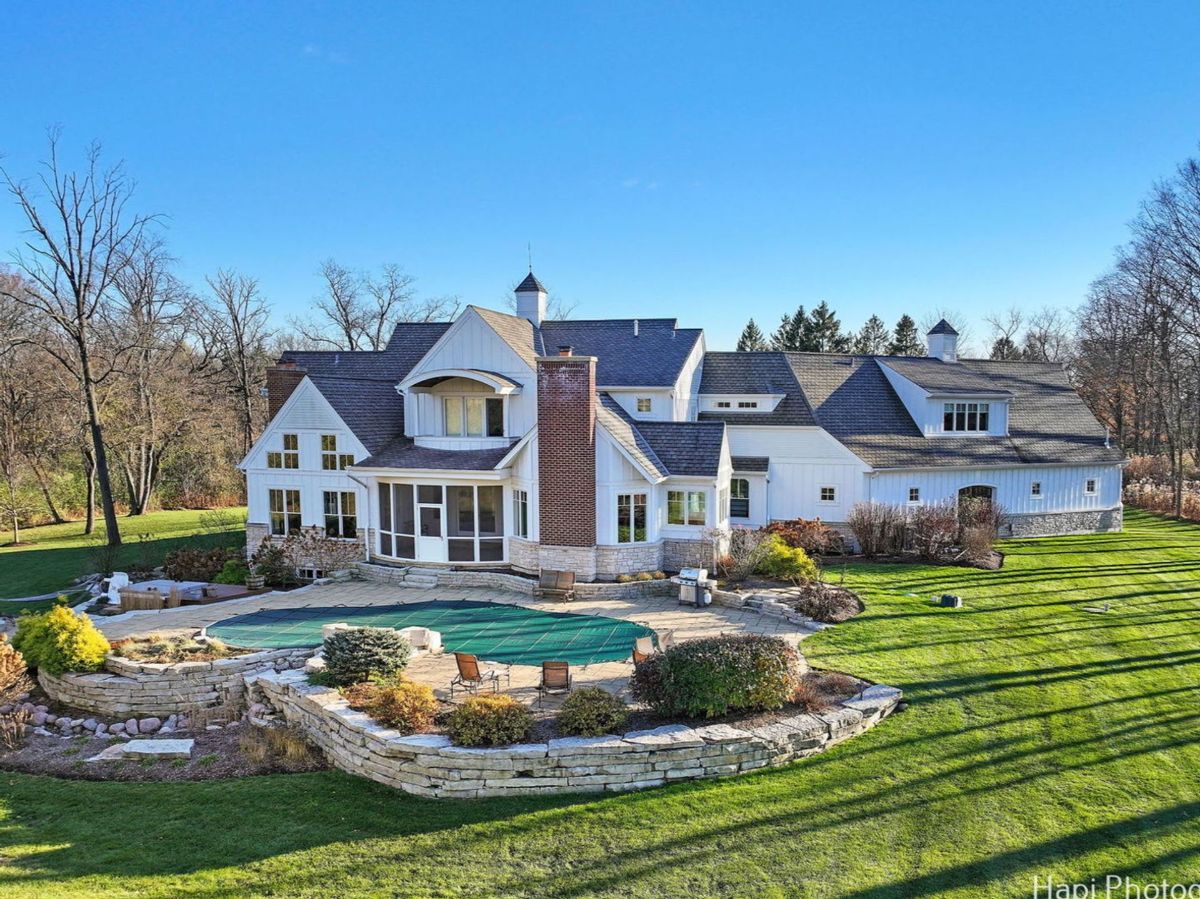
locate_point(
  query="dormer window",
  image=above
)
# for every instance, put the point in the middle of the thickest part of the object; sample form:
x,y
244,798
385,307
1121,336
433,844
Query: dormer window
x,y
644,404
473,416
724,404
747,404
965,417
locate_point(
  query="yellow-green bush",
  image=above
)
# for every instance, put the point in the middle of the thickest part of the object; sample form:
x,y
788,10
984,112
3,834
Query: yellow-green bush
x,y
490,720
401,704
60,640
789,563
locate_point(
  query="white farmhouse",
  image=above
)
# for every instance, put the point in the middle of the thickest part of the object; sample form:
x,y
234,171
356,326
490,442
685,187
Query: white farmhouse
x,y
611,446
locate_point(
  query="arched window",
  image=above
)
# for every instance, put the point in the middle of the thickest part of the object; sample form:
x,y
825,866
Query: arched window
x,y
739,498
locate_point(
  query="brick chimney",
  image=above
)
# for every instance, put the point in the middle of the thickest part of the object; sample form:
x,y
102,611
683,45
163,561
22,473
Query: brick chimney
x,y
566,400
282,379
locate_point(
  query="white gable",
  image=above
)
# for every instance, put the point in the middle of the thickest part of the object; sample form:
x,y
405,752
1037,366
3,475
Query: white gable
x,y
306,412
471,343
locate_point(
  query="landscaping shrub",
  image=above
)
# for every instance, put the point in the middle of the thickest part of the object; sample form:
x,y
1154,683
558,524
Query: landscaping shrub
x,y
235,572
272,562
977,543
813,536
590,712
746,548
60,640
715,675
14,683
402,704
358,654
981,513
809,697
489,720
878,528
786,562
934,528
188,564
830,605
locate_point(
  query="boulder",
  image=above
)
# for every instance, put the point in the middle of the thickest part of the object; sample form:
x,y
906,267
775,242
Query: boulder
x,y
90,724
118,728
131,726
149,725
158,749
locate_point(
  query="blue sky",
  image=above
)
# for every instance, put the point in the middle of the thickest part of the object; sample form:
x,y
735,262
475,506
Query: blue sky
x,y
695,160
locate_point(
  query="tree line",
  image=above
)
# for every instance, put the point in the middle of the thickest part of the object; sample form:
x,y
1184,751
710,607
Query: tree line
x,y
121,386
820,331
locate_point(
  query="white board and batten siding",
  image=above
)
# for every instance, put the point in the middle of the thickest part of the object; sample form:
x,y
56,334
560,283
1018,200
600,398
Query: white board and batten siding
x,y
1063,487
803,460
308,415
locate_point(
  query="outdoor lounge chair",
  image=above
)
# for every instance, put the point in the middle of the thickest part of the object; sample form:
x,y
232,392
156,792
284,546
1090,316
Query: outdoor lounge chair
x,y
643,648
471,677
556,585
556,678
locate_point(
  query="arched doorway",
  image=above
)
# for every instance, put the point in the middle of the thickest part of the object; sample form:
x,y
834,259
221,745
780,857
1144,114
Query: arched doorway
x,y
977,491
976,505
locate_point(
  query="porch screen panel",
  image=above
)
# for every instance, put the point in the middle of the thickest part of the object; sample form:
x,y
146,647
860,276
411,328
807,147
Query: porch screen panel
x,y
491,524
460,525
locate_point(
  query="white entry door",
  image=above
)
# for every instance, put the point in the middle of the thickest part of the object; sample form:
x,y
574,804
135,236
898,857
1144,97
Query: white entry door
x,y
431,535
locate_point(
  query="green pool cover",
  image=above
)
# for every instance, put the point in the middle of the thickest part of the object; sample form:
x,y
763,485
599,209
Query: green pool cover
x,y
496,631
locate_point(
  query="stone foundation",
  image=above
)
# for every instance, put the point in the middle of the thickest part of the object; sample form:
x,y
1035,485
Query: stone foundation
x,y
1061,523
127,687
677,554
427,765
255,534
523,555
615,560
426,577
580,559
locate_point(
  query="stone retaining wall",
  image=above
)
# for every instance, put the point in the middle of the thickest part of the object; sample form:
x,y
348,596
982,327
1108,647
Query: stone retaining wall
x,y
128,687
1058,523
427,765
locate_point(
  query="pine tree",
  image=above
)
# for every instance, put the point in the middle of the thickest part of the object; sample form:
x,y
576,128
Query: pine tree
x,y
905,339
873,339
794,332
826,332
1004,350
752,339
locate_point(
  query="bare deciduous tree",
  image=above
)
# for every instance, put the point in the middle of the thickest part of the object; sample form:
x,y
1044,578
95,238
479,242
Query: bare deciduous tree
x,y
81,235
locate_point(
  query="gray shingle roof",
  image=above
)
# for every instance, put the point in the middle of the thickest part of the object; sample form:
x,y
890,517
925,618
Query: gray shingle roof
x,y
680,448
735,373
530,283
1048,422
653,357
751,463
940,377
943,327
361,386
514,330
403,453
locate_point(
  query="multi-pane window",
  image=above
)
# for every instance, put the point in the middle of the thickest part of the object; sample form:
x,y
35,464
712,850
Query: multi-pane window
x,y
284,515
474,524
747,404
397,521
914,494
965,417
290,457
331,459
643,404
829,494
686,506
724,404
341,514
631,517
739,498
1089,486
473,416
520,502
1035,489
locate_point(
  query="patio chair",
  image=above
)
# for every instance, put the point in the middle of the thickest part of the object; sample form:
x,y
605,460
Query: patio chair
x,y
556,679
556,585
471,677
643,648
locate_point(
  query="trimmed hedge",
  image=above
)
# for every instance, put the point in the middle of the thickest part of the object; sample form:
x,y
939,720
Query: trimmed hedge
x,y
489,720
590,712
789,563
716,675
361,653
60,640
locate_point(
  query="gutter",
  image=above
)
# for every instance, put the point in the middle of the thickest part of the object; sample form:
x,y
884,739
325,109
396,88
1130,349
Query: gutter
x,y
367,538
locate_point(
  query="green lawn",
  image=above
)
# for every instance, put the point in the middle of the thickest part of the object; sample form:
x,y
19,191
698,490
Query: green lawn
x,y
59,553
1041,740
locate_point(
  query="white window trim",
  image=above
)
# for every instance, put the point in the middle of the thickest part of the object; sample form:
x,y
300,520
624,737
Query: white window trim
x,y
1036,494
286,512
461,398
637,404
1094,487
520,498
821,495
745,481
981,407
633,495
687,504
914,501
341,515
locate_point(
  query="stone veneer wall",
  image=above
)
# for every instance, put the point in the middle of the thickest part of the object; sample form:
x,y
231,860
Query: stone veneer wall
x,y
1059,523
428,765
580,559
143,688
255,534
512,582
679,554
631,559
523,555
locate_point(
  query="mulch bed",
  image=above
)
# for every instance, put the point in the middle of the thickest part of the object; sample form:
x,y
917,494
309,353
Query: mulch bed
x,y
215,755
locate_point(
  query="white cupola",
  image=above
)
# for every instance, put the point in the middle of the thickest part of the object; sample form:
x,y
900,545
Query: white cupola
x,y
531,300
943,342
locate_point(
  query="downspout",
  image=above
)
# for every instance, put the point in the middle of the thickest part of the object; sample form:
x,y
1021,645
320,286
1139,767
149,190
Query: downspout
x,y
367,537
